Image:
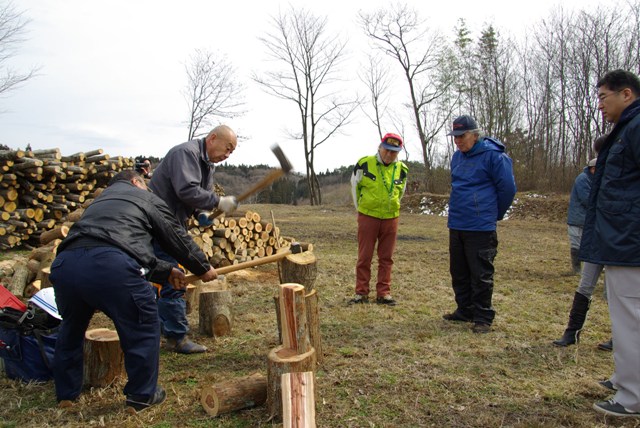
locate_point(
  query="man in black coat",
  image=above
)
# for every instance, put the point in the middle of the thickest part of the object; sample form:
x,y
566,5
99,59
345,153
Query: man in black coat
x,y
105,263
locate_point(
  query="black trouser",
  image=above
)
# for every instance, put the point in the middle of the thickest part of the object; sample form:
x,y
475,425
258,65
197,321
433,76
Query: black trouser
x,y
471,256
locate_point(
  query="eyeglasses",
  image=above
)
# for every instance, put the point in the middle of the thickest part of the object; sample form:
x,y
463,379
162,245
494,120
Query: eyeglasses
x,y
602,97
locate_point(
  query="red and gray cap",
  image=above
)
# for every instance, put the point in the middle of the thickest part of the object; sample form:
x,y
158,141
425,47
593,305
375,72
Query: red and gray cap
x,y
392,142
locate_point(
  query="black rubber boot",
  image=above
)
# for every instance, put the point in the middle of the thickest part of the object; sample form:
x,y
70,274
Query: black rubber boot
x,y
575,261
577,315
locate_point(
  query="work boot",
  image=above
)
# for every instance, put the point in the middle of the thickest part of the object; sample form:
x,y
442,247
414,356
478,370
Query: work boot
x,y
185,346
606,346
577,316
137,404
575,261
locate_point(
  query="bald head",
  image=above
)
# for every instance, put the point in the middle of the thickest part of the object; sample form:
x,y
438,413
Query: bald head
x,y
220,143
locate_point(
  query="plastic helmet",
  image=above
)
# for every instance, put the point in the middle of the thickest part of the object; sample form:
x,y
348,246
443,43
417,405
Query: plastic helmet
x,y
46,300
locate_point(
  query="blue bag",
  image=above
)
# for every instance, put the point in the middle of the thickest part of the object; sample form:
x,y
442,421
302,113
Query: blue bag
x,y
27,347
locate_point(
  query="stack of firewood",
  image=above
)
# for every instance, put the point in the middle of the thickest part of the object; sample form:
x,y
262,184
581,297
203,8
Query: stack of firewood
x,y
38,188
237,238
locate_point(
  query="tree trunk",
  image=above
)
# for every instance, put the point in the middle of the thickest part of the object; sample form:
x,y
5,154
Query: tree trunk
x,y
20,279
235,394
313,323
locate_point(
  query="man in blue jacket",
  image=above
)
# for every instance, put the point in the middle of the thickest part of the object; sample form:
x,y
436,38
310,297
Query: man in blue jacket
x,y
482,189
611,234
578,210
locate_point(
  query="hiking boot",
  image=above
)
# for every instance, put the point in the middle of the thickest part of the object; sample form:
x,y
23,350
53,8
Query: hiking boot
x,y
456,316
606,346
607,384
136,403
481,328
612,408
359,299
185,346
386,300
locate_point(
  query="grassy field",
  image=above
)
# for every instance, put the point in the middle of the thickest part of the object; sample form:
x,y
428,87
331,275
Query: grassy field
x,y
387,367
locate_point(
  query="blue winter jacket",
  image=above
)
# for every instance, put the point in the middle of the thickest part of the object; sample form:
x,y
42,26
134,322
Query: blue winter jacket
x,y
611,234
482,186
579,199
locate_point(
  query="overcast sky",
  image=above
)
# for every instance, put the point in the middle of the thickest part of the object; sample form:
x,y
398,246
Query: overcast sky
x,y
112,72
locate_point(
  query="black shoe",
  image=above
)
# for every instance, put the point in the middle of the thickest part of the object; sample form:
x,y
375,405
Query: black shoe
x,y
386,300
606,346
455,316
137,404
607,384
481,328
358,300
612,408
570,337
185,346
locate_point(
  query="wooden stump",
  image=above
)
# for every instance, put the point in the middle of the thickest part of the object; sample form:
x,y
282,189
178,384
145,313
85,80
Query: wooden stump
x,y
280,361
236,394
299,268
298,400
103,357
215,313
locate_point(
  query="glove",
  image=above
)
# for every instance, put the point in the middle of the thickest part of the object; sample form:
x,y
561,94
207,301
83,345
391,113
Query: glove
x,y
228,204
204,220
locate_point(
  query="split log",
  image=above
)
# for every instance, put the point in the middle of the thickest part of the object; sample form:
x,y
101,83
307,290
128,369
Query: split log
x,y
215,313
299,268
189,297
313,323
298,400
103,357
236,394
280,361
293,318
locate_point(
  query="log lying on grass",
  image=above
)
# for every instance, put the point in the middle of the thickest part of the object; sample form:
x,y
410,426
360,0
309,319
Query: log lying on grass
x,y
236,394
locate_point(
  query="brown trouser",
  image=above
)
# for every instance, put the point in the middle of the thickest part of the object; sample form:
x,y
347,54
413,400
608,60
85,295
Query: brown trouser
x,y
370,230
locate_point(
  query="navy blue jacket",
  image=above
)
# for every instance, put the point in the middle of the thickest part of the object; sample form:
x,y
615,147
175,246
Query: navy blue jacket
x,y
611,234
184,180
482,186
579,199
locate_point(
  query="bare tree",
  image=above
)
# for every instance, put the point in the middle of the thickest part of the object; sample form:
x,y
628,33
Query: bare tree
x,y
212,90
398,33
309,57
12,31
376,78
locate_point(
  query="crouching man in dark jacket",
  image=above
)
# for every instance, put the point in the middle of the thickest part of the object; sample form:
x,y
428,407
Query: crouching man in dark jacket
x,y
106,263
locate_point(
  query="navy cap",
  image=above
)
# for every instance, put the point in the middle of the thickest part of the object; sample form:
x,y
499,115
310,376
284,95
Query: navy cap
x,y
392,142
462,125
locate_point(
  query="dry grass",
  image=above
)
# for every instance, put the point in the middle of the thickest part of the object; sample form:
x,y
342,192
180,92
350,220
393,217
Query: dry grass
x,y
388,367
